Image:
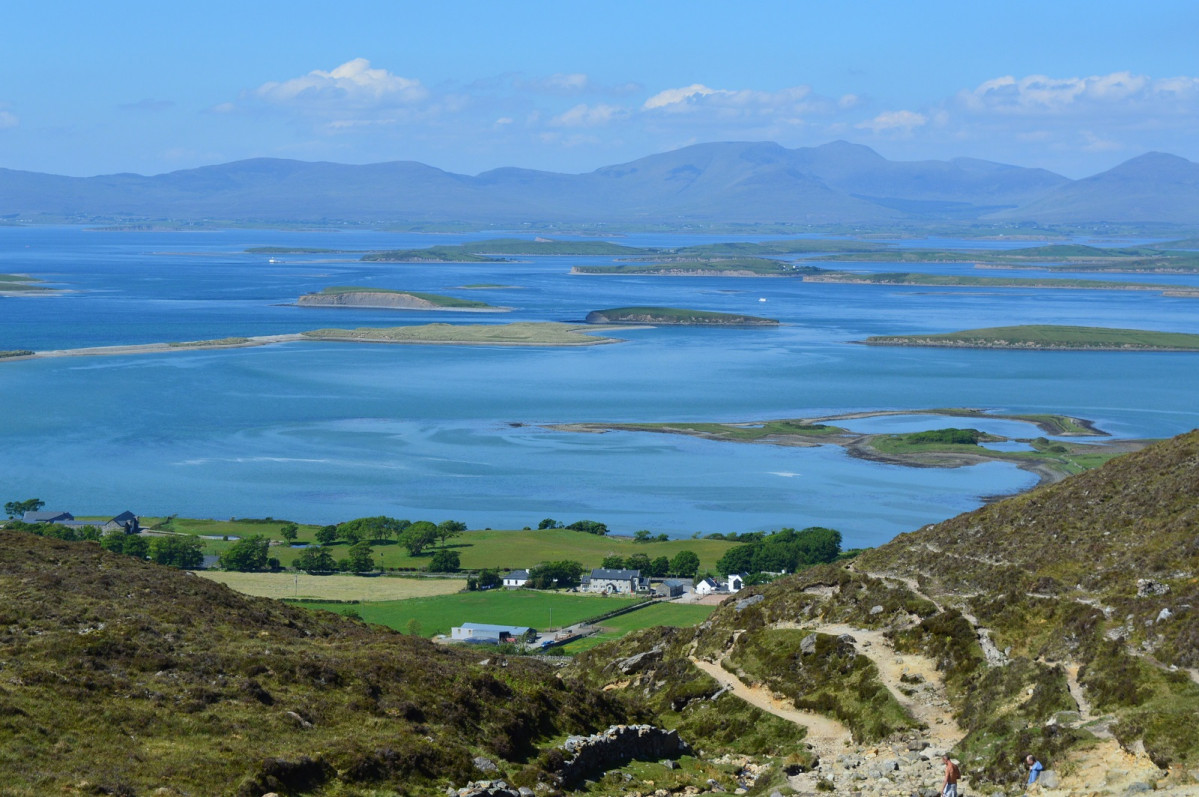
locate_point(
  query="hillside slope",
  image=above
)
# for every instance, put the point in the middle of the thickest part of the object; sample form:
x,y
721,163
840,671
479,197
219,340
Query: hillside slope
x,y
1061,622
123,677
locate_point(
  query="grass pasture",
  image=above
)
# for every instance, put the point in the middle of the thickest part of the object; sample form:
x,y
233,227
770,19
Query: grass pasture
x,y
680,615
500,550
334,588
438,614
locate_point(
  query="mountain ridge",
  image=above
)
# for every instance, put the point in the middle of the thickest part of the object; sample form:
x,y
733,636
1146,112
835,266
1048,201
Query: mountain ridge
x,y
718,182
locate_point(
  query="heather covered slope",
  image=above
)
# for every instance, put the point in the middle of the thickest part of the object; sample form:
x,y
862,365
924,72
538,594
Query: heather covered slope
x,y
1094,539
130,677
1061,622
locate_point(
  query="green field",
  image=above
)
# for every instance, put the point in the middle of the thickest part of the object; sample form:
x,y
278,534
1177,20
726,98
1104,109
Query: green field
x,y
671,614
500,550
437,615
1050,337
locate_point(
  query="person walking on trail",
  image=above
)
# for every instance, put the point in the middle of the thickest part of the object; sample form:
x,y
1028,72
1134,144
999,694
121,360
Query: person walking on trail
x,y
1034,768
949,787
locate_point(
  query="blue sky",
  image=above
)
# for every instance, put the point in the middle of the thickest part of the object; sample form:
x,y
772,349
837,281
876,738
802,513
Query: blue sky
x,y
1076,87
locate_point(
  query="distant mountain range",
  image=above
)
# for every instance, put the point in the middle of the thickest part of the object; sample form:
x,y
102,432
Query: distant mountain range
x,y
731,182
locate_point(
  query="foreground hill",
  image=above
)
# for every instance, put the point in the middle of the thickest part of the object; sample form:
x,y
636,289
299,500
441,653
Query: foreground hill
x,y
713,183
1061,623
123,677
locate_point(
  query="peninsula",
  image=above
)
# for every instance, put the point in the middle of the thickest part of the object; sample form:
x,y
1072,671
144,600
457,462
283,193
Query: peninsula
x,y
674,316
1050,460
387,299
1048,337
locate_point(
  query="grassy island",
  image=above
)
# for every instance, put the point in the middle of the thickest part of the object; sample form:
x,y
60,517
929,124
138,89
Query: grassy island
x,y
965,281
350,296
519,334
674,316
434,254
703,267
1048,337
21,283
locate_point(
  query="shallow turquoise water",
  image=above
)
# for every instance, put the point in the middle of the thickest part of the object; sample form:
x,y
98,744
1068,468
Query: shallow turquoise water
x,y
323,432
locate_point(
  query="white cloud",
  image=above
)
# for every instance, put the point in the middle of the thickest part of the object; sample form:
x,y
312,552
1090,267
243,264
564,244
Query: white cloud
x,y
671,97
898,121
1115,92
8,119
589,116
354,84
785,105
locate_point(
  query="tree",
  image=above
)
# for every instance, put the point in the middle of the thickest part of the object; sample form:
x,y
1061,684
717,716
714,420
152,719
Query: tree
x,y
449,528
548,523
19,508
315,560
641,536
379,527
326,535
247,555
558,575
361,558
445,561
184,552
684,564
637,561
289,531
128,544
613,562
413,627
417,537
589,526
488,579
659,566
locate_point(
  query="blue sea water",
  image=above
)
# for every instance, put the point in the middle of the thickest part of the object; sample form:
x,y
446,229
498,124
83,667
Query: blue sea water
x,y
322,432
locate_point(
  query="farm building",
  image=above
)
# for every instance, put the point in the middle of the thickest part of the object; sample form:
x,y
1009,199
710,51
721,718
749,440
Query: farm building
x,y
485,632
672,587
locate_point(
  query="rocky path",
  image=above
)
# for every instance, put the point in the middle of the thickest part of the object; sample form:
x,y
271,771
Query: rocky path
x,y
926,700
827,737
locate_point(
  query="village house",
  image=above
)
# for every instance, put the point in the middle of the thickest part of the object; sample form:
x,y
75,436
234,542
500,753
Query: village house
x,y
516,579
736,581
706,586
619,582
494,634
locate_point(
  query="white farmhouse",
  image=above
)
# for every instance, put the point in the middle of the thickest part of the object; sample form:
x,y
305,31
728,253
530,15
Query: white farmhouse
x,y
516,579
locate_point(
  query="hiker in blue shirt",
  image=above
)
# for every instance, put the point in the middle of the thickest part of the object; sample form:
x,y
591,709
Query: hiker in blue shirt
x,y
1034,769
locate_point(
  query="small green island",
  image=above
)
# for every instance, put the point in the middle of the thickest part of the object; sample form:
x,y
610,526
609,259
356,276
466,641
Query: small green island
x,y
388,299
1048,337
687,266
667,316
22,284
